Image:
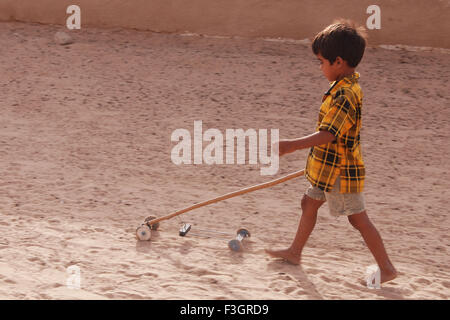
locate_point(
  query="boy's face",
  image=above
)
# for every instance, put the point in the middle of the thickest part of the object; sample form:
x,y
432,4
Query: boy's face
x,y
330,71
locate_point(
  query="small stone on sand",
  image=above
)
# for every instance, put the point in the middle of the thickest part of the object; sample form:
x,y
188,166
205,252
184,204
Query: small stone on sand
x,y
63,38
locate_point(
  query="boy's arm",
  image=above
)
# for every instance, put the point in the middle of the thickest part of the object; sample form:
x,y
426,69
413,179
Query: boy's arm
x,y
315,139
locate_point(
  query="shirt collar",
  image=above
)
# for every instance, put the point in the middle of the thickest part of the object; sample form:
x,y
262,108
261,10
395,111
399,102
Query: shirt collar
x,y
348,79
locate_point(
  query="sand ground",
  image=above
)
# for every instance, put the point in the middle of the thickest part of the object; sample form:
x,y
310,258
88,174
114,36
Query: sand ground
x,y
85,157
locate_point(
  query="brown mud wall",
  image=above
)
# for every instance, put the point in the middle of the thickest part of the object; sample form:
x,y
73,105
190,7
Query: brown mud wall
x,y
407,22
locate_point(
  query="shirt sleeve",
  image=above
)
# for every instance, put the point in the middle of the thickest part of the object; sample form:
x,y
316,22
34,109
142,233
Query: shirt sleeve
x,y
340,117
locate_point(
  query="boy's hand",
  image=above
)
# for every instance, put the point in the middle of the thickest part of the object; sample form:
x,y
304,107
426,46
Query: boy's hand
x,y
283,147
288,146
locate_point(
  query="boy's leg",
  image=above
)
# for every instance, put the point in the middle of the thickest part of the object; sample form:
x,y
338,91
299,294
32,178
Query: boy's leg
x,y
375,244
308,220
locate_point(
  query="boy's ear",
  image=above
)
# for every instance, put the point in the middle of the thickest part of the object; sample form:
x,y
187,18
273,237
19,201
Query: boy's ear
x,y
339,61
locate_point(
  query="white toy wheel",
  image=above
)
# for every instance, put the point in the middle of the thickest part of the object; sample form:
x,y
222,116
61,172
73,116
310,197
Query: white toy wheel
x,y
143,233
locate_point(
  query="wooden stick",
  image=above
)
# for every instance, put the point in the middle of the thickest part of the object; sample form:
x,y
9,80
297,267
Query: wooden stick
x,y
229,195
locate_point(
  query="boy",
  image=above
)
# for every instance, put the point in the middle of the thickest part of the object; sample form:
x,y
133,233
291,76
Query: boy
x,y
335,168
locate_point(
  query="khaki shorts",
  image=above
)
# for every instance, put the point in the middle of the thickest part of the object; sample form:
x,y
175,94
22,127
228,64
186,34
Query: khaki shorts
x,y
340,204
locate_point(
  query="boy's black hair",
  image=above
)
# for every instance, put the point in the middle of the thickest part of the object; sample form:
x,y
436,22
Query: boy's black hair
x,y
341,39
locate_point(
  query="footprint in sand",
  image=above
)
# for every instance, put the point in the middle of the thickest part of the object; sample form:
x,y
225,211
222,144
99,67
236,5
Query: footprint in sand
x,y
288,290
10,281
313,271
37,260
423,282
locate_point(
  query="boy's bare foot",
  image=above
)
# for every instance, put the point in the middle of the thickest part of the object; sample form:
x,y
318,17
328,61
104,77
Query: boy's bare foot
x,y
387,275
286,255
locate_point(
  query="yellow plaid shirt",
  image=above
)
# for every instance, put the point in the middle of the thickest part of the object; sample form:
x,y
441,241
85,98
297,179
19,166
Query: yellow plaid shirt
x,y
340,114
